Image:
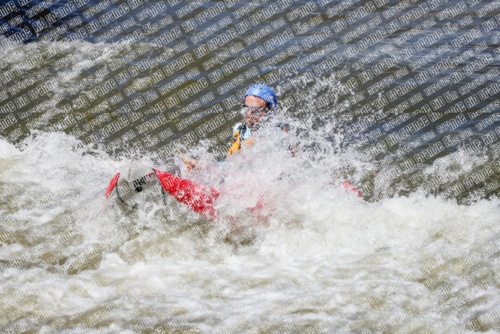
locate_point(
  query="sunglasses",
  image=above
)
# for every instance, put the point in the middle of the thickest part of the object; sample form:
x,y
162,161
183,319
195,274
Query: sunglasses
x,y
252,110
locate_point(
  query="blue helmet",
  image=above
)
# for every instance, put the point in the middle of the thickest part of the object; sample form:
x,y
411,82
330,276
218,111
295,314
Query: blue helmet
x,y
264,92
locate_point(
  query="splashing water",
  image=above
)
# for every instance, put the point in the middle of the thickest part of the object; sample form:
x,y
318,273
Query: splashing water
x,y
321,258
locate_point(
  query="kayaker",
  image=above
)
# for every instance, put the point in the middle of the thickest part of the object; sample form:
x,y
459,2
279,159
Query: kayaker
x,y
260,102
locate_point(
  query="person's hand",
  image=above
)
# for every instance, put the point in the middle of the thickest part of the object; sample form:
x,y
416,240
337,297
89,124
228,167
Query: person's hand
x,y
192,164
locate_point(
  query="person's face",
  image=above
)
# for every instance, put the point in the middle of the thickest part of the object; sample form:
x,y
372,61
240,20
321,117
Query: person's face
x,y
254,110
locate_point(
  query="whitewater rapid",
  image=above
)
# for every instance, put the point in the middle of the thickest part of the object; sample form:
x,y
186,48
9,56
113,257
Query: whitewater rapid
x,y
323,261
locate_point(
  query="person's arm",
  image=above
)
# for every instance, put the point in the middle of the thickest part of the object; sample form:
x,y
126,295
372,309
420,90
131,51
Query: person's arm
x,y
292,147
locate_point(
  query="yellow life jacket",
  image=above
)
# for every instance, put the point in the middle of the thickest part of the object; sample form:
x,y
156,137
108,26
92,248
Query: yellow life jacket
x,y
241,135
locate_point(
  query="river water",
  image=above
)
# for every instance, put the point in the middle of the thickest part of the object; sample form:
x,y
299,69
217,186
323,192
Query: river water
x,y
398,97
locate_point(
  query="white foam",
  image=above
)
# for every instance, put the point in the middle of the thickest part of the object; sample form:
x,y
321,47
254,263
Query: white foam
x,y
321,255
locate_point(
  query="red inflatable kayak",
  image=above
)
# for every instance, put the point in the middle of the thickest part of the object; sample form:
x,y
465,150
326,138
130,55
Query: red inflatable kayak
x,y
200,199
136,178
